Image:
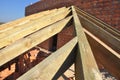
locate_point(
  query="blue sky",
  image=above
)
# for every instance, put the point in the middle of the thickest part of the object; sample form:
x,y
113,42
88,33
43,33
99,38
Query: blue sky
x,y
13,9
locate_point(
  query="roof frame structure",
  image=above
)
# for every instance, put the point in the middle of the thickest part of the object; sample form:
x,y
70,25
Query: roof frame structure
x,y
30,31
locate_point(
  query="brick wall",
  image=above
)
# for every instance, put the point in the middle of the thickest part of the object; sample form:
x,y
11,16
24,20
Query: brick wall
x,y
47,44
46,5
65,35
106,10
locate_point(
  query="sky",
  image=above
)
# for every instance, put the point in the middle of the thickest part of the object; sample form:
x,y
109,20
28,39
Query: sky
x,y
13,9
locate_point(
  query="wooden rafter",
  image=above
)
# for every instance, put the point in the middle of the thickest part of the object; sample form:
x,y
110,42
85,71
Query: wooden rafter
x,y
30,41
24,20
97,21
47,69
8,37
85,64
106,37
21,35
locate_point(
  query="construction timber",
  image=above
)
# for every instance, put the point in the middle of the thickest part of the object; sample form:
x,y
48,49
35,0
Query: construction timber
x,y
95,43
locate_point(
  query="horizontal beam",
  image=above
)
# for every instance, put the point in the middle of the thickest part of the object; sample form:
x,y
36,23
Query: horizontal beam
x,y
24,30
24,44
102,34
102,43
104,57
85,64
49,67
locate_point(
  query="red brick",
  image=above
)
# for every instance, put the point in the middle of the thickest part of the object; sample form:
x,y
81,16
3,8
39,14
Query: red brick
x,y
106,10
46,44
65,35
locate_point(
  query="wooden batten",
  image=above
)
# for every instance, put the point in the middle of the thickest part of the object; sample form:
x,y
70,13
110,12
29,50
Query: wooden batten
x,y
24,44
85,64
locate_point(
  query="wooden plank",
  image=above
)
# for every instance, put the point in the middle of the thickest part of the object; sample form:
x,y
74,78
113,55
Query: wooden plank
x,y
102,43
113,32
49,67
109,28
31,21
102,34
66,65
104,57
20,21
85,64
24,44
31,27
24,20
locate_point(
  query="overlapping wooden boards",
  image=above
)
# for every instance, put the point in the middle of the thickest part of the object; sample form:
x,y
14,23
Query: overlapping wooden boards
x,y
23,20
16,33
30,41
85,64
49,67
12,24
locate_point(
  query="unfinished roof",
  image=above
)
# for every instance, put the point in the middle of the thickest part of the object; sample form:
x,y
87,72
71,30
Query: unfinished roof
x,y
106,10
90,47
